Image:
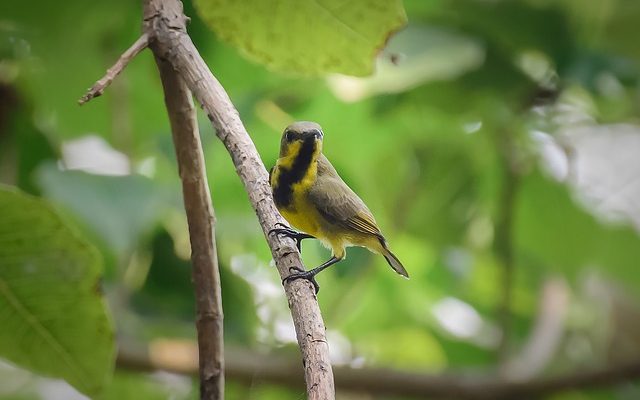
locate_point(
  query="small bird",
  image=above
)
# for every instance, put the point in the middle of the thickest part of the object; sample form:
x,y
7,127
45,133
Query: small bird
x,y
312,197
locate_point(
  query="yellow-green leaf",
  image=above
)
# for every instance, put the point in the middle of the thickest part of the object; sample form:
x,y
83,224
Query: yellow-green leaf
x,y
53,317
310,37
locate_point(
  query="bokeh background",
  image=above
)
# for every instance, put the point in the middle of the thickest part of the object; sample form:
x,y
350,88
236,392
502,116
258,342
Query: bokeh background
x,y
497,144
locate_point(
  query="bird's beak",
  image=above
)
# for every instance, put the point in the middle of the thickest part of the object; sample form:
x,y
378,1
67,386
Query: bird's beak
x,y
313,134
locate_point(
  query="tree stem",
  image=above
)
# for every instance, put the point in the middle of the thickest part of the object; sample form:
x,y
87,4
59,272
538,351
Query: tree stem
x,y
201,219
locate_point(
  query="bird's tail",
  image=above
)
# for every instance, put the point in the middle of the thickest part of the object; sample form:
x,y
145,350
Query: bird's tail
x,y
393,260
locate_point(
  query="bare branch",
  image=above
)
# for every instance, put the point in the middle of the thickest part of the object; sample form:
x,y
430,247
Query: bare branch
x,y
165,24
98,88
201,219
249,367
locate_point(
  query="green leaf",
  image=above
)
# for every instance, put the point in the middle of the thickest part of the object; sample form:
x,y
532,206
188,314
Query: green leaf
x,y
98,33
311,37
424,353
129,385
54,320
120,209
554,230
429,53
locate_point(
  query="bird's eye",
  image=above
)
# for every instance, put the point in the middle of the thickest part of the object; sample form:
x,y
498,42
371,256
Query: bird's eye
x,y
289,136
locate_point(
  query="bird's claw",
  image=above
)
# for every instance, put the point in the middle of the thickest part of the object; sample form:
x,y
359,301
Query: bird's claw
x,y
301,274
296,273
285,232
290,233
281,225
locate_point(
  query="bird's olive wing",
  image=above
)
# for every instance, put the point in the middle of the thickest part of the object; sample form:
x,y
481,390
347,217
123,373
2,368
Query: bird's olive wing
x,y
339,205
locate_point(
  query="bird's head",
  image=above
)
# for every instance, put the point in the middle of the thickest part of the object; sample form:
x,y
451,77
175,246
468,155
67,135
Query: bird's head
x,y
302,137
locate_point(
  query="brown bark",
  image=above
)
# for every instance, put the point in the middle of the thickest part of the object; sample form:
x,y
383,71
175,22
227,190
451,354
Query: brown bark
x,y
201,219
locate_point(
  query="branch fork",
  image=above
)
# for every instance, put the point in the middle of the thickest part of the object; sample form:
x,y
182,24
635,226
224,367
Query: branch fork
x,y
183,71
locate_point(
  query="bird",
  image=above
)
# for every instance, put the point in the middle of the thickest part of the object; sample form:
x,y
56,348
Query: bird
x,y
311,196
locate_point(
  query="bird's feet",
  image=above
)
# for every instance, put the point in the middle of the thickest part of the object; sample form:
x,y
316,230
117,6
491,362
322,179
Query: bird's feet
x,y
290,233
302,274
285,231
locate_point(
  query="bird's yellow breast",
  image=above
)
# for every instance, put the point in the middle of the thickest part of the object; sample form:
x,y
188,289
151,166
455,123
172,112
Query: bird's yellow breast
x,y
301,213
303,216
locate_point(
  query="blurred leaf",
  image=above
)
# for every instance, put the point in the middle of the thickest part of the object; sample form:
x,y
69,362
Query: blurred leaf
x,y
263,391
168,292
240,320
424,53
589,67
510,26
53,318
120,209
33,148
97,33
608,25
309,37
129,385
463,355
553,230
622,28
25,144
424,352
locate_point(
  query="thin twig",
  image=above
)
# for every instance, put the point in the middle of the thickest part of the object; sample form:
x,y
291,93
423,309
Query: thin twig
x,y
251,367
98,88
164,21
201,219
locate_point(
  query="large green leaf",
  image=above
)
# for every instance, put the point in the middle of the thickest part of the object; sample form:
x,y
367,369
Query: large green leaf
x,y
53,318
311,37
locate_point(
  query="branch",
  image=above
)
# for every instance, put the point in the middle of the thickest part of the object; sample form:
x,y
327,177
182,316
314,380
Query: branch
x,y
98,88
164,22
503,240
201,219
249,367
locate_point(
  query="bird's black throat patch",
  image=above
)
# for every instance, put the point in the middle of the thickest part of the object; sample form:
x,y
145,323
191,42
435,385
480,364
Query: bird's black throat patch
x,y
283,192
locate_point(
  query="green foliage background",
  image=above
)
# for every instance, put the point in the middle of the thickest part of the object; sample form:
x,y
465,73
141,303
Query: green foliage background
x,y
467,144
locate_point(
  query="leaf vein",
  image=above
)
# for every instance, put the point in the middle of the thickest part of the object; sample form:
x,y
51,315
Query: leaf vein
x,y
42,331
348,27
